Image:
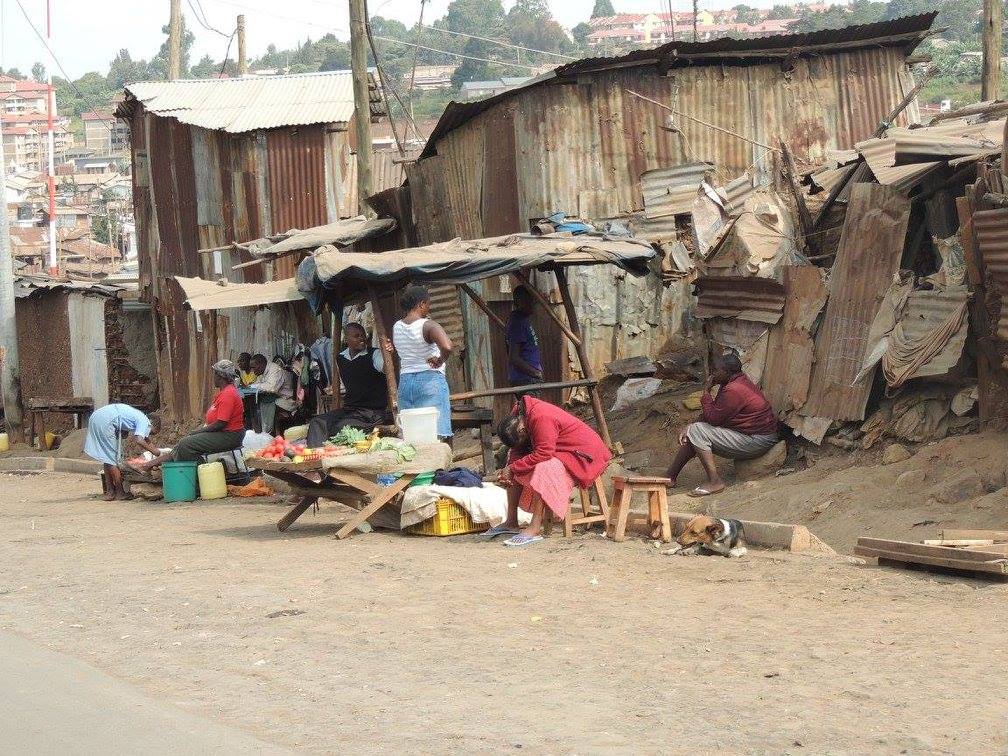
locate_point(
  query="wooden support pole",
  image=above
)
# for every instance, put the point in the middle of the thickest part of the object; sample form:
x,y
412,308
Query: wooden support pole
x,y
993,18
481,303
337,343
384,341
548,306
529,388
362,103
586,369
242,58
175,40
804,216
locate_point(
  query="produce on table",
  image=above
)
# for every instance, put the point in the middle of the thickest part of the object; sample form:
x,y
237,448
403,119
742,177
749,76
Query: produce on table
x,y
348,437
281,450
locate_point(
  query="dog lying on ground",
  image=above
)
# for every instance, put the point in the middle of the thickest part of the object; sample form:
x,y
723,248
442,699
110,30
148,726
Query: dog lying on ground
x,y
715,535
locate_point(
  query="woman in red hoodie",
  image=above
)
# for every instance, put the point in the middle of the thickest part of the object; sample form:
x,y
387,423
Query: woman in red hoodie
x,y
551,452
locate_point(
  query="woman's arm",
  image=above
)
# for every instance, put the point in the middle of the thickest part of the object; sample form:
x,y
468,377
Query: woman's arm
x,y
434,334
146,445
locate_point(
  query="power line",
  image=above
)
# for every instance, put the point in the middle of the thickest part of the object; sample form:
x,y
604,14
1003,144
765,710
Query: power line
x,y
203,21
501,42
409,44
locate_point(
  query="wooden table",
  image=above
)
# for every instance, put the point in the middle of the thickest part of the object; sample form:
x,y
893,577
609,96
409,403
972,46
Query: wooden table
x,y
80,407
343,486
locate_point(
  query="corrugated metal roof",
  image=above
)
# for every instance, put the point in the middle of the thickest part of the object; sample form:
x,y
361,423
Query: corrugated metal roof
x,y
26,285
736,192
757,299
926,311
250,102
990,227
671,191
869,253
903,33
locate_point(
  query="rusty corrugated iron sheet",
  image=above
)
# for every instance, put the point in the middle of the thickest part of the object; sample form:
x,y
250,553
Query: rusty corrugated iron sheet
x,y
900,35
926,311
790,351
990,228
671,191
296,165
870,248
757,299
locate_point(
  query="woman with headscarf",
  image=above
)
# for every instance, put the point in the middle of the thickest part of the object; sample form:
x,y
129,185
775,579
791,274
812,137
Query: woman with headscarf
x,y
108,428
551,452
224,429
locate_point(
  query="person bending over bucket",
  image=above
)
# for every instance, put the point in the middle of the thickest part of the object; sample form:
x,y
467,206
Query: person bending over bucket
x,y
551,452
738,424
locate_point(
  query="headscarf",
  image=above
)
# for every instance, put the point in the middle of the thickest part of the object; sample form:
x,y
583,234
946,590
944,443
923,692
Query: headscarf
x,y
225,369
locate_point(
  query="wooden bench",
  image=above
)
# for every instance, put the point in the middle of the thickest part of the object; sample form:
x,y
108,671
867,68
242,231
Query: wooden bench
x,y
658,512
80,407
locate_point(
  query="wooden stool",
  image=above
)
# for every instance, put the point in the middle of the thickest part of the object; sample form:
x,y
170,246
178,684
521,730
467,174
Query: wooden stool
x,y
658,514
587,517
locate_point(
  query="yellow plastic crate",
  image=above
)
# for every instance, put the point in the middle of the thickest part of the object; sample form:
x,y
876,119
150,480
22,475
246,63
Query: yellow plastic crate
x,y
450,519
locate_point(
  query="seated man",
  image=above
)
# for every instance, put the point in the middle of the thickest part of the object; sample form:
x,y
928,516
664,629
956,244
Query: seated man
x,y
365,404
738,424
273,387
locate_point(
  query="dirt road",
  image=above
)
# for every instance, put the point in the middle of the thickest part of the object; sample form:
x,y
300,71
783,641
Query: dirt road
x,y
388,643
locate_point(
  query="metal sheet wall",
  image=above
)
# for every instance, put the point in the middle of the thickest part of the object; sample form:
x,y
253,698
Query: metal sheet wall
x,y
88,351
584,145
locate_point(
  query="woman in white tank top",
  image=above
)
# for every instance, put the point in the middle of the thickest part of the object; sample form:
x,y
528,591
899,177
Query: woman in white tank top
x,y
422,346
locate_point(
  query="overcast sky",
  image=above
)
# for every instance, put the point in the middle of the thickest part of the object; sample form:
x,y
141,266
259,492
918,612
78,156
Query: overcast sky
x,y
88,33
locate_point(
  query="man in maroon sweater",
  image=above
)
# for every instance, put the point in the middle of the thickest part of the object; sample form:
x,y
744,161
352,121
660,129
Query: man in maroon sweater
x,y
738,424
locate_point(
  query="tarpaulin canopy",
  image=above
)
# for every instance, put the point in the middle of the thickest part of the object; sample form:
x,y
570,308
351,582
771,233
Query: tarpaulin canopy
x,y
220,295
460,261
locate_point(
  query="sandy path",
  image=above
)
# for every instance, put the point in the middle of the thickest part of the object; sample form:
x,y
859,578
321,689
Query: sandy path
x,y
455,646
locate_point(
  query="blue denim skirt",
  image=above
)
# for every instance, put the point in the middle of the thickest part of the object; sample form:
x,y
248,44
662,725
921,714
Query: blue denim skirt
x,y
427,389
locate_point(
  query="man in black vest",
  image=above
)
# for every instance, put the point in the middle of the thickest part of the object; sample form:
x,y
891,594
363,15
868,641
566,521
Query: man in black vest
x,y
365,403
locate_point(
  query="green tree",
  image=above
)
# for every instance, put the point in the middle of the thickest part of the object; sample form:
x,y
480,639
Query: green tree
x,y
205,68
39,73
746,15
104,230
159,63
779,12
530,24
603,8
124,70
580,34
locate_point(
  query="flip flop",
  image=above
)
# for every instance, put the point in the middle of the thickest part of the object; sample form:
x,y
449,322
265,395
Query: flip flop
x,y
496,530
699,491
522,540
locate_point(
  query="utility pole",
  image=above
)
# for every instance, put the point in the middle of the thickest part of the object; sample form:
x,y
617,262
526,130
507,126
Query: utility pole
x,y
51,141
175,41
362,98
242,60
993,12
696,10
8,323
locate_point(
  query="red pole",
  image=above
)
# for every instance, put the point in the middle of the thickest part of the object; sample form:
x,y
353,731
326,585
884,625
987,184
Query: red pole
x,y
51,139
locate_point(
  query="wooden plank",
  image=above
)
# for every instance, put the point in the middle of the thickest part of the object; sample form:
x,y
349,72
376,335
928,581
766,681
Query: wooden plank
x,y
388,493
919,549
296,511
999,567
957,542
998,536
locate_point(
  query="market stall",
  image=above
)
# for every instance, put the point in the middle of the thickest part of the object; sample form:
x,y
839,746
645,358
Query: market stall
x,y
332,279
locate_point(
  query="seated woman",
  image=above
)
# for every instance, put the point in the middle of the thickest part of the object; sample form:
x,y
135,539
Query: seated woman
x,y
365,403
224,429
108,428
551,452
738,424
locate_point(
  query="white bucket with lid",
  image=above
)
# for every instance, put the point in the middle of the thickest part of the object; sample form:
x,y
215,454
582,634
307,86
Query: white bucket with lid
x,y
419,426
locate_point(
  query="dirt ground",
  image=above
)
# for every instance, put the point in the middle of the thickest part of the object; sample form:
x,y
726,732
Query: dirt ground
x,y
385,642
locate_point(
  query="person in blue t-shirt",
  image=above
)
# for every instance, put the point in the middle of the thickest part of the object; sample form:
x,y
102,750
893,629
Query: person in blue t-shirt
x,y
524,360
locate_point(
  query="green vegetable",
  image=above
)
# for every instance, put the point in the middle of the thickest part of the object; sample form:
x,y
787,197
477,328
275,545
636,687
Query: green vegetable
x,y
348,436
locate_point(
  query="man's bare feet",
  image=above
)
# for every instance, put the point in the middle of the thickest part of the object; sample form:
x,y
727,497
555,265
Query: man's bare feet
x,y
109,496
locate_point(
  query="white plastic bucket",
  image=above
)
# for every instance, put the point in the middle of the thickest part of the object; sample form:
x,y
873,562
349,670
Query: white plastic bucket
x,y
419,426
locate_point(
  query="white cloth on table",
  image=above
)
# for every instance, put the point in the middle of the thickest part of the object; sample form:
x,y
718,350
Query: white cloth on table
x,y
485,505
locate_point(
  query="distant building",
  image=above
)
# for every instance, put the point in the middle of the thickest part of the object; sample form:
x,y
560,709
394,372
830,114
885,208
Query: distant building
x,y
479,90
22,96
104,133
26,142
430,77
626,30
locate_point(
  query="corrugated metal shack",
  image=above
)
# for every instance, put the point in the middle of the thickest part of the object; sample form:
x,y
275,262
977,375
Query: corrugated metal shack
x,y
575,140
77,339
221,161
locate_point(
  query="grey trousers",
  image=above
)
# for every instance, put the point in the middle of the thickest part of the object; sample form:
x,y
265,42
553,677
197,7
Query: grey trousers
x,y
728,443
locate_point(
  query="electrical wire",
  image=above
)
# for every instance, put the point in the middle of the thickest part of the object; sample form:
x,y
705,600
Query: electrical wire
x,y
404,43
203,21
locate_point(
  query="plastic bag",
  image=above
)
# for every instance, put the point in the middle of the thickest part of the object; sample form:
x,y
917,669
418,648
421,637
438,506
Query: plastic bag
x,y
633,391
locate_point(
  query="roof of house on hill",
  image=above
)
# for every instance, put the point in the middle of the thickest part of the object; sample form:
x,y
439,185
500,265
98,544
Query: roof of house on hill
x,y
249,103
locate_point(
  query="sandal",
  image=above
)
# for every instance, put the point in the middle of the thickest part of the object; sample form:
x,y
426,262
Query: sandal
x,y
522,540
496,530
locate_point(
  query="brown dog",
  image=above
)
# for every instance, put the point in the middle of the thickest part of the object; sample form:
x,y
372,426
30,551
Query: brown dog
x,y
712,533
